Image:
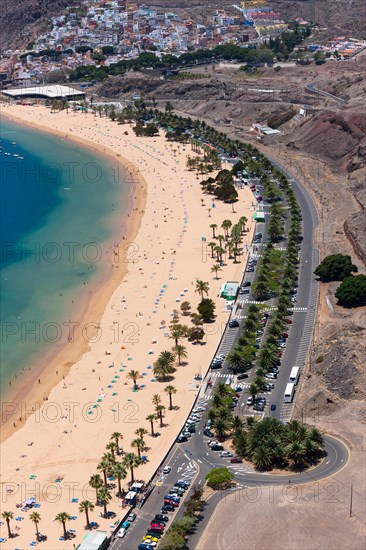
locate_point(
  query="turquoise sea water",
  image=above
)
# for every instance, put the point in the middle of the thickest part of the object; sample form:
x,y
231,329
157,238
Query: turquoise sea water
x,y
61,209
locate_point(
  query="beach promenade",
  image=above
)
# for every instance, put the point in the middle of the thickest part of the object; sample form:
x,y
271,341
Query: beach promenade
x,y
155,269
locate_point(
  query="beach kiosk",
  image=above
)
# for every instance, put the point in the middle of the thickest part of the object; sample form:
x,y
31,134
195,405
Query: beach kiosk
x,y
259,216
229,290
95,540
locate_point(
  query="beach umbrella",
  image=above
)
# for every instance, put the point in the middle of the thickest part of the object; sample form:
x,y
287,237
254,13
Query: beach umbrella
x,y
114,393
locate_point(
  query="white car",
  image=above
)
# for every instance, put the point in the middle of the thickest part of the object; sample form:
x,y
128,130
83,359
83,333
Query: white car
x,y
199,409
226,454
250,400
121,533
213,443
167,469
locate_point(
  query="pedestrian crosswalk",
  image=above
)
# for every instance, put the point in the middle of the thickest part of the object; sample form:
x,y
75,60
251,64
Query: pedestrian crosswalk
x,y
296,309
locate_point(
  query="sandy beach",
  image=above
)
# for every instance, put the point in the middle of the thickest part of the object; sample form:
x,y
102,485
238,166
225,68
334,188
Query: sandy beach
x,y
158,262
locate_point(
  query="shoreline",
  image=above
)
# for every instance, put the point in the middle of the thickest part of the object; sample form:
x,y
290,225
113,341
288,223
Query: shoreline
x,y
170,252
28,391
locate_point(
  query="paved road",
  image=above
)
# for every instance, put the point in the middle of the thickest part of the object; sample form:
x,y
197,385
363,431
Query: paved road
x,y
194,459
312,87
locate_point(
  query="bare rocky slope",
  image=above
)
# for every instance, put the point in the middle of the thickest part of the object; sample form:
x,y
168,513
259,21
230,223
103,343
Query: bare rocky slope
x,y
21,22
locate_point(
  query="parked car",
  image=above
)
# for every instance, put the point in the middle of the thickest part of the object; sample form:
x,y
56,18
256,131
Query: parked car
x,y
233,324
125,524
132,517
167,508
236,460
242,376
154,534
273,407
247,283
167,469
161,518
199,409
217,447
271,375
121,533
250,400
156,525
181,439
208,432
150,538
226,454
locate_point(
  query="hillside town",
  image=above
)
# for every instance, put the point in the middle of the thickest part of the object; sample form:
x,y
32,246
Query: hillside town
x,y
100,33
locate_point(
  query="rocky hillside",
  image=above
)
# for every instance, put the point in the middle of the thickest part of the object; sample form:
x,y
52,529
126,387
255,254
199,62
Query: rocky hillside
x,y
21,22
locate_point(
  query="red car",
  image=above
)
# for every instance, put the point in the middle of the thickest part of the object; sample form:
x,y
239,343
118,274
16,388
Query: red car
x,y
285,335
289,321
155,525
236,460
172,502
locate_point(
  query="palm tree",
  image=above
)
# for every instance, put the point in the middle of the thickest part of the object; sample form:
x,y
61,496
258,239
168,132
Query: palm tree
x,y
163,366
104,465
36,518
150,418
170,390
180,352
177,333
242,221
131,461
139,444
111,446
134,375
213,226
220,239
260,289
140,432
253,390
215,269
104,496
226,224
221,428
262,457
236,360
296,452
156,399
63,517
212,246
119,471
8,516
160,412
202,287
219,251
96,483
117,436
84,507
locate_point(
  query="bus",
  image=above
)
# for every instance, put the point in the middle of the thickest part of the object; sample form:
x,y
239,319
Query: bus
x,y
294,375
289,393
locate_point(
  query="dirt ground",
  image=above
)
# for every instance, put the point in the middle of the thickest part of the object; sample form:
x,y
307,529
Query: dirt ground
x,y
306,517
